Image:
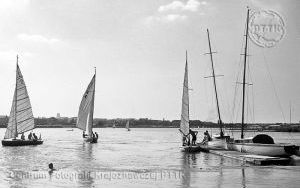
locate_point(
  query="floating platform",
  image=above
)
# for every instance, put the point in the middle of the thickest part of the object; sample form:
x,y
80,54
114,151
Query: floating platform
x,y
252,159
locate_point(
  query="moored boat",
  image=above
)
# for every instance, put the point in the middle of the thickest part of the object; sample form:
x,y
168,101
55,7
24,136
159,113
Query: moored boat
x,y
261,144
218,141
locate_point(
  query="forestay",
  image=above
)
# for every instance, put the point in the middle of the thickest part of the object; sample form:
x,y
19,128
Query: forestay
x,y
21,118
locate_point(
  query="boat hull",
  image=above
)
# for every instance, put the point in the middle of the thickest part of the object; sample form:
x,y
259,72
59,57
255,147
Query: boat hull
x,y
217,143
91,140
21,142
194,149
272,150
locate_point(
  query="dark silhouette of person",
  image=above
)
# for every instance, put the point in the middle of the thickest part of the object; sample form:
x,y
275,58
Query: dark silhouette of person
x,y
22,136
194,136
34,136
30,136
84,135
96,134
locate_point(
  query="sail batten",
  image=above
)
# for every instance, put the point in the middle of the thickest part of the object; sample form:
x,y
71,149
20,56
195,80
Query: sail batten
x,y
86,108
21,117
184,122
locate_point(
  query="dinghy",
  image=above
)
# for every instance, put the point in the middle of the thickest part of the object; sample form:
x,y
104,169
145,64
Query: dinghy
x,y
86,112
21,117
260,144
185,120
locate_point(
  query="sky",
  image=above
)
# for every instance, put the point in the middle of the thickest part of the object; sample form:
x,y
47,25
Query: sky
x,y
138,47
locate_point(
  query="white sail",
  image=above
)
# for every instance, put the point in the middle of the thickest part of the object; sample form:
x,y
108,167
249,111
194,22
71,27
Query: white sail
x,y
184,123
86,108
21,118
127,125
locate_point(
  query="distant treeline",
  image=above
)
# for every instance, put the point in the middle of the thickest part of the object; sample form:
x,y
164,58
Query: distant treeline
x,y
145,123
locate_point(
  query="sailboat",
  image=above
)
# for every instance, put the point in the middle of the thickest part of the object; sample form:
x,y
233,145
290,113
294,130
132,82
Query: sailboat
x,y
185,119
86,112
21,117
219,141
127,126
114,125
261,144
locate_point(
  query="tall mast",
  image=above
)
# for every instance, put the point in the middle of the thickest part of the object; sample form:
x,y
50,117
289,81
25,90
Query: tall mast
x,y
290,113
244,76
186,65
215,85
16,95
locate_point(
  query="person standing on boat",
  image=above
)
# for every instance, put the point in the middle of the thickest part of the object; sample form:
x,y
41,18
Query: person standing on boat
x,y
96,134
30,136
22,136
194,136
34,136
84,135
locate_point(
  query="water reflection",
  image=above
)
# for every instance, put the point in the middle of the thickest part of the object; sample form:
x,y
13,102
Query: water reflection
x,y
85,158
243,178
188,162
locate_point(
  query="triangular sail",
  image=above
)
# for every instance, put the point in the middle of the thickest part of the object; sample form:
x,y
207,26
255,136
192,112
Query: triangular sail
x,y
86,109
184,123
127,125
21,118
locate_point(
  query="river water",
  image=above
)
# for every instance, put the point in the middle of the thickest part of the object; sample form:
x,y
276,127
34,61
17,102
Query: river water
x,y
142,157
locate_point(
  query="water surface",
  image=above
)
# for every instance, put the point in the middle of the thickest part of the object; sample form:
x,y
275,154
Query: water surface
x,y
138,158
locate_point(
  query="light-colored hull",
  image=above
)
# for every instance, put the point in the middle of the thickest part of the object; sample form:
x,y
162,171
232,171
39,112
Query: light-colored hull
x,y
272,150
217,144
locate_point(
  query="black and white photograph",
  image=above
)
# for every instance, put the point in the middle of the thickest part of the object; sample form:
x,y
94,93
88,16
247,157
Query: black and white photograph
x,y
144,93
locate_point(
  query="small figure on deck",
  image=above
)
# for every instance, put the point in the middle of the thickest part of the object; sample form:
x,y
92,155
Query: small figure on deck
x,y
30,136
34,136
96,134
194,136
22,136
84,135
93,135
206,137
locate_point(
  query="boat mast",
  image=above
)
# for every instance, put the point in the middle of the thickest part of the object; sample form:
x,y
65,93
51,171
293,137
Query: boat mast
x,y
93,98
215,85
290,113
16,94
244,76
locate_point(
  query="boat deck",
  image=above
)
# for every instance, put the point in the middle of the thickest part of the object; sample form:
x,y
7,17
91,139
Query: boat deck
x,y
252,159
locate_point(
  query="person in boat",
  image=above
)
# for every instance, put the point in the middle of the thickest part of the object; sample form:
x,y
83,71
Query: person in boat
x,y
96,134
84,135
34,136
30,136
194,136
22,136
206,137
185,139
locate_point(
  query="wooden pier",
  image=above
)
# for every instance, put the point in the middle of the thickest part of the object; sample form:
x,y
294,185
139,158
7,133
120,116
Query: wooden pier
x,y
252,159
